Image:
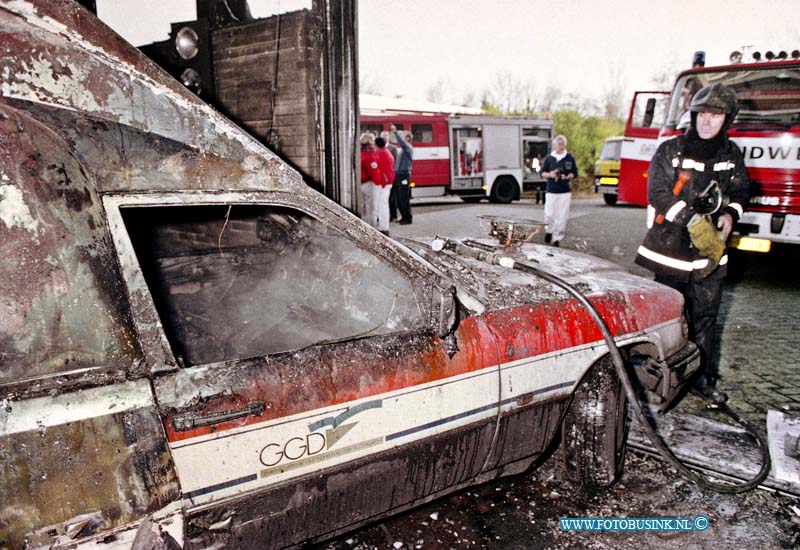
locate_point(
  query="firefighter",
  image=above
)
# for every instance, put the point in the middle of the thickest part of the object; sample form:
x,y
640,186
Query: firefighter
x,y
697,189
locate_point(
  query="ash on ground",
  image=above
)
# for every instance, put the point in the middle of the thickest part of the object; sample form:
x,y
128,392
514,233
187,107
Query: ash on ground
x,y
522,512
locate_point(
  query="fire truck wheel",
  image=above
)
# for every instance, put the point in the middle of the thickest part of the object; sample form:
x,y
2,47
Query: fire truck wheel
x,y
594,429
610,198
504,190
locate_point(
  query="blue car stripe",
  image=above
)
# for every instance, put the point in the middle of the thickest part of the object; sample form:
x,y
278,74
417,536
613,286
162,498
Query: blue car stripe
x,y
253,477
465,414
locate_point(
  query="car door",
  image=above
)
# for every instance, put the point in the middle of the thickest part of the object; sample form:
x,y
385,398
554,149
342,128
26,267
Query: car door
x,y
647,114
82,450
316,389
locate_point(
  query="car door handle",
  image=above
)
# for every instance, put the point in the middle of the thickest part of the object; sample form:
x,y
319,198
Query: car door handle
x,y
189,421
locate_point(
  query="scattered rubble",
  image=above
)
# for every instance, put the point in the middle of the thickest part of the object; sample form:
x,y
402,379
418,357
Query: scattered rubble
x,y
523,512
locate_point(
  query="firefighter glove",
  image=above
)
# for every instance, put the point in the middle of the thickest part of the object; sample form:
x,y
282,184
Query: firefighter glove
x,y
707,240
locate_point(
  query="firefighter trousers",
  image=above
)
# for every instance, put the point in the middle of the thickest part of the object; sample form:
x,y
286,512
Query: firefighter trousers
x,y
702,298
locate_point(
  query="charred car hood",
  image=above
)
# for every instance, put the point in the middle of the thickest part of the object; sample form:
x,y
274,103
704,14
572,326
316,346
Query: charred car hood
x,y
497,287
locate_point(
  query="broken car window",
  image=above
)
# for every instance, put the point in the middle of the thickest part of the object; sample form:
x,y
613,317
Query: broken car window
x,y
231,282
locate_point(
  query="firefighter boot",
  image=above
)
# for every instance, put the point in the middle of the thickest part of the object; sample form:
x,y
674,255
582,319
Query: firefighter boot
x,y
705,387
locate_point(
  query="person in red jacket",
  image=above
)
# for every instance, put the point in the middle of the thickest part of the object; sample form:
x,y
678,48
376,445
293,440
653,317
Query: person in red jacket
x,y
381,194
370,177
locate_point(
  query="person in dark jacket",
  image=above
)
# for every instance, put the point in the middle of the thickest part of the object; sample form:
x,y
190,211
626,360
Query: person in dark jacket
x,y
559,169
697,190
402,177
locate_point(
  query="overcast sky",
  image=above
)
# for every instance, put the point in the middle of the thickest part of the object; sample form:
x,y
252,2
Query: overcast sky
x,y
585,47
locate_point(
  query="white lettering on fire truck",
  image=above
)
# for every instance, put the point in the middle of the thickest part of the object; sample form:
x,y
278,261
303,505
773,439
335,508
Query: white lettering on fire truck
x,y
766,201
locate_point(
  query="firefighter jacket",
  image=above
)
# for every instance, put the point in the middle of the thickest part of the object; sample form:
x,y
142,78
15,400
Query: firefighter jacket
x,y
667,248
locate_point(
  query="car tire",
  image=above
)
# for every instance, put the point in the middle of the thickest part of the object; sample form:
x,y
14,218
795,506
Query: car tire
x,y
594,429
472,199
504,190
610,199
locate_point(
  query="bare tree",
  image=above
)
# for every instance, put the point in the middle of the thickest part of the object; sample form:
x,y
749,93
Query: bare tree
x,y
529,97
436,92
549,98
369,84
570,101
664,78
505,92
471,99
487,103
613,100
590,107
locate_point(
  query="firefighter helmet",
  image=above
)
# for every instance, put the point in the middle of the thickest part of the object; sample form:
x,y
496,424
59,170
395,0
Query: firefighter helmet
x,y
715,98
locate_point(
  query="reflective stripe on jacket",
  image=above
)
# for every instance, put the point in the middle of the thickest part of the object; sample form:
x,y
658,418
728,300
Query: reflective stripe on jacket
x,y
667,248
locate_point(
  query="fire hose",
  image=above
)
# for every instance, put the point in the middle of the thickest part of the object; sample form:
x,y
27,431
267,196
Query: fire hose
x,y
489,256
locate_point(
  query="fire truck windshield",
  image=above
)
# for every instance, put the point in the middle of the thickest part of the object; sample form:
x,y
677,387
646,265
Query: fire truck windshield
x,y
767,96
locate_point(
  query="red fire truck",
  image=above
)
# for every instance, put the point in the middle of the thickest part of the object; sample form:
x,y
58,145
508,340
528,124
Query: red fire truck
x,y
473,156
767,129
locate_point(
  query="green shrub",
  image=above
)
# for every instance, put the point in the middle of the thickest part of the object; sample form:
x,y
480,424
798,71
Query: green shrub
x,y
585,136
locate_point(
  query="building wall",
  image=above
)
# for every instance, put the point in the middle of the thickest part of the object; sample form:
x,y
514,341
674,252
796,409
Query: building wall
x,y
281,107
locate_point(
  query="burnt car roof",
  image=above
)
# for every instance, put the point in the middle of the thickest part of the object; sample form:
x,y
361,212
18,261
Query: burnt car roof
x,y
65,66
84,114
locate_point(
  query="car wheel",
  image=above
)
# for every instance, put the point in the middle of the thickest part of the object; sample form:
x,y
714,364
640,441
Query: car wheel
x,y
504,190
610,199
471,199
594,429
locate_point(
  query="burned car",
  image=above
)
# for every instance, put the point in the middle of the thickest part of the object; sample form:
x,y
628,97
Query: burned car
x,y
197,350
